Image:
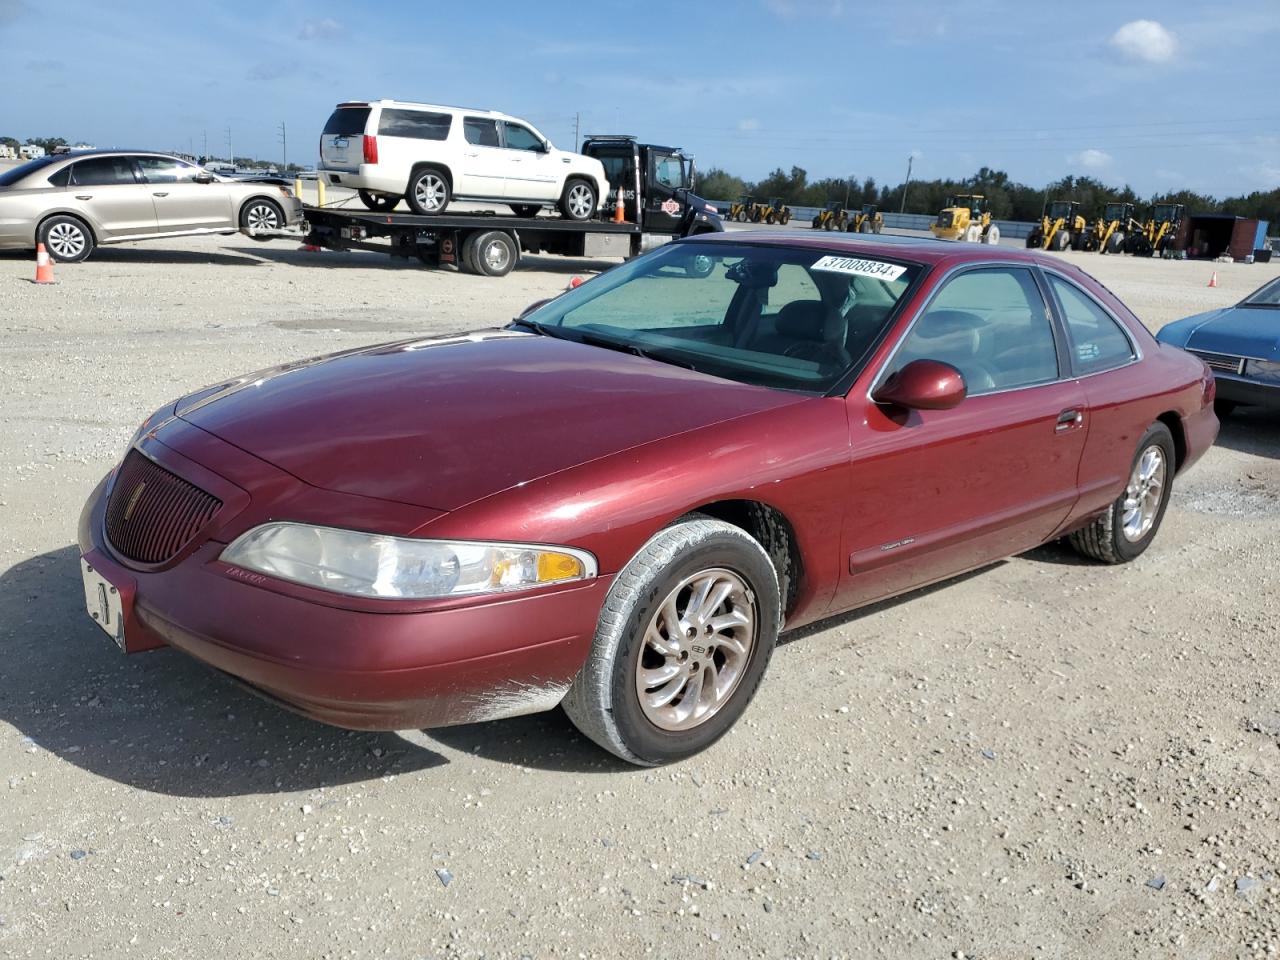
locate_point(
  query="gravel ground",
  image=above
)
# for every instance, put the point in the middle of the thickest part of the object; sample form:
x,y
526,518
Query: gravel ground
x,y
1044,759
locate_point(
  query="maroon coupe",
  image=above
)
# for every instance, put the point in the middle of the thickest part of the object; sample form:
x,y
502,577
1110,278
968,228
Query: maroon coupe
x,y
616,503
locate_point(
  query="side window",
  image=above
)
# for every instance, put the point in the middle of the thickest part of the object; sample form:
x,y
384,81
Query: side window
x,y
414,123
103,171
483,133
61,178
521,138
1097,342
165,170
668,171
992,325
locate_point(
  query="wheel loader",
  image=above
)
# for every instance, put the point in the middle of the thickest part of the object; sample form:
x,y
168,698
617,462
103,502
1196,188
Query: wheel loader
x,y
1160,230
740,209
1060,226
775,211
1115,230
867,220
965,217
831,217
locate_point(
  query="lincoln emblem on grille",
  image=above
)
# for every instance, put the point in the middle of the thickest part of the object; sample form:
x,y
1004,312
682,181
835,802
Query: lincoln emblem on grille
x,y
133,499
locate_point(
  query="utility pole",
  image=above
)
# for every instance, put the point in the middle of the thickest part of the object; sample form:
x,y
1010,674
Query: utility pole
x,y
205,144
577,126
230,149
906,184
284,148
847,181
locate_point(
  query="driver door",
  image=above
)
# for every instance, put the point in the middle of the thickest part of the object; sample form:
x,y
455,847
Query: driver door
x,y
663,207
934,493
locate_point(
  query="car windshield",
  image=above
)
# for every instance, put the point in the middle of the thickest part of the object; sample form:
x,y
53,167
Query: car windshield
x,y
10,177
792,318
1267,296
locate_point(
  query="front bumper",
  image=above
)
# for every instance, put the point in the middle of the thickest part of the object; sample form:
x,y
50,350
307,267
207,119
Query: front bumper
x,y
349,667
1244,390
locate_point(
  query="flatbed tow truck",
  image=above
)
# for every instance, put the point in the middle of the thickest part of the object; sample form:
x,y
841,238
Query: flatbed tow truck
x,y
658,204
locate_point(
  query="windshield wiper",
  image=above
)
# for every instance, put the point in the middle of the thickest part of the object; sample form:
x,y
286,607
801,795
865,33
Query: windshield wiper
x,y
534,325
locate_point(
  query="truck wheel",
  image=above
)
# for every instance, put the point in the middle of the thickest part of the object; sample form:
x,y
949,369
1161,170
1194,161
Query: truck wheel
x,y
378,202
865,228
578,202
683,641
1034,239
700,266
428,192
66,239
880,227
493,254
785,217
1130,523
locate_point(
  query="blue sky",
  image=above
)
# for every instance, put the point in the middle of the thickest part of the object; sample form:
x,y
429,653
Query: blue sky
x,y
1159,95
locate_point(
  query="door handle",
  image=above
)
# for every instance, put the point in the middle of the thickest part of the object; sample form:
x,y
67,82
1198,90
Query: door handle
x,y
160,194
1069,419
84,196
471,154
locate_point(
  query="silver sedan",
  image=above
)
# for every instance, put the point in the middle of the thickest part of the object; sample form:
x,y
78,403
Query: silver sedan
x,y
76,201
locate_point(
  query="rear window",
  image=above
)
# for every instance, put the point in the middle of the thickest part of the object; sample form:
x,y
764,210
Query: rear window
x,y
414,123
347,122
482,133
10,177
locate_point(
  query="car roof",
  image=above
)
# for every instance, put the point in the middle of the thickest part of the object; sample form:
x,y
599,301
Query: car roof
x,y
414,105
925,250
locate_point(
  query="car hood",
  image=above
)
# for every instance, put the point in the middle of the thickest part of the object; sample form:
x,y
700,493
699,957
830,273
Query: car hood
x,y
440,423
1239,331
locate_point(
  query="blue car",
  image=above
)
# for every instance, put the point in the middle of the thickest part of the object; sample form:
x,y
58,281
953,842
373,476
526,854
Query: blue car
x,y
1241,345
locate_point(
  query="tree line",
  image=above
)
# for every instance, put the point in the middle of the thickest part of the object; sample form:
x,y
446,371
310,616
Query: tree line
x,y
1006,199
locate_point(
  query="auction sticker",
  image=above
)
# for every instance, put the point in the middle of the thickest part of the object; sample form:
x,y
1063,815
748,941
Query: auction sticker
x,y
860,268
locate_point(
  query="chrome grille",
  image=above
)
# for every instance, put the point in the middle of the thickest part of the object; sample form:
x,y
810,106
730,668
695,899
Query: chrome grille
x,y
152,514
1220,361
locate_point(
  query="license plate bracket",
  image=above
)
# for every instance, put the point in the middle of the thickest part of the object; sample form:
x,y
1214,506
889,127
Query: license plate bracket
x,y
104,602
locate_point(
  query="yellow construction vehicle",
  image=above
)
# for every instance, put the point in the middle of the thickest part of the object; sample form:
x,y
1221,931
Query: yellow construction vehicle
x,y
831,217
965,217
867,220
1160,230
740,209
1115,230
775,211
1060,226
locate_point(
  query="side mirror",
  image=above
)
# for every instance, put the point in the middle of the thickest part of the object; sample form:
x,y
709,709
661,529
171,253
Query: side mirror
x,y
203,178
532,307
923,385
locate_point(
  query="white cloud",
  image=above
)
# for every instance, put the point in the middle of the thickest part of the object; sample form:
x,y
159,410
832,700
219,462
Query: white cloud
x,y
1091,159
749,124
319,29
1145,41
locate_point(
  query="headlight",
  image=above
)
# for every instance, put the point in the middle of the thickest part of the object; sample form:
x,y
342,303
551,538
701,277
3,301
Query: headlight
x,y
1267,370
375,565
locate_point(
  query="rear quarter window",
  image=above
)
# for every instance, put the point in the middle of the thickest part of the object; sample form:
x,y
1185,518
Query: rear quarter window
x,y
417,124
347,122
1097,341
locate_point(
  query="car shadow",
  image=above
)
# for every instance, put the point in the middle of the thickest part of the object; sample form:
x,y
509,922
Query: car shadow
x,y
165,723
1252,430
298,256
145,254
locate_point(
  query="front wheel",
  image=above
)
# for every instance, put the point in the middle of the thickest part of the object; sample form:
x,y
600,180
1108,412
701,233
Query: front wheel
x,y
785,217
992,236
260,217
684,638
579,200
66,239
1130,524
378,202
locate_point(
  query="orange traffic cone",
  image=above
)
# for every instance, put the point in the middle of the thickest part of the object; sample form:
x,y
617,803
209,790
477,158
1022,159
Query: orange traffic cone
x,y
619,211
1213,281
44,265
574,282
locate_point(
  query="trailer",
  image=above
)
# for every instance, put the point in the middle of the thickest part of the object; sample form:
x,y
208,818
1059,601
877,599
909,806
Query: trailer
x,y
654,185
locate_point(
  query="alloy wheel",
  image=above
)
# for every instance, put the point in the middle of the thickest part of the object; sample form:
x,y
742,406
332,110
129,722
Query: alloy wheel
x,y
430,191
65,241
1143,494
262,216
696,649
579,201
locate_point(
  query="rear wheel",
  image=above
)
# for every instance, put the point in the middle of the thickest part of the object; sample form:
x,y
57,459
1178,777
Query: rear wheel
x,y
785,217
379,202
1115,242
866,227
684,638
578,201
428,192
1060,241
1035,239
1130,524
259,216
992,236
66,239
1077,241
492,254
879,227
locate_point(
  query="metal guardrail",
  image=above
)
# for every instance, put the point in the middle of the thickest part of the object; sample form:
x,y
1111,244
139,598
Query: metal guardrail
x,y
803,216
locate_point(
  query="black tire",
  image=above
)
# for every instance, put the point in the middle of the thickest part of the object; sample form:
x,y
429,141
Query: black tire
x,y
603,701
866,227
1115,242
1061,240
579,200
1077,241
378,202
755,216
429,191
1034,239
66,239
785,218
526,210
1104,539
879,227
492,253
1224,408
258,214
742,216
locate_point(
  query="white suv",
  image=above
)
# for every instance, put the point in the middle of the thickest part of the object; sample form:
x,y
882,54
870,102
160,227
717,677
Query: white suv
x,y
428,155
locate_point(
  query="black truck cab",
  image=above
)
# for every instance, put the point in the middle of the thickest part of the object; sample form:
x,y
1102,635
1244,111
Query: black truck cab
x,y
657,185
